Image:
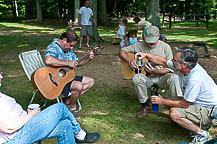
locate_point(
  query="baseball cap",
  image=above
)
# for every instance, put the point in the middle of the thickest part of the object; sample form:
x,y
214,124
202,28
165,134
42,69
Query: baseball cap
x,y
152,34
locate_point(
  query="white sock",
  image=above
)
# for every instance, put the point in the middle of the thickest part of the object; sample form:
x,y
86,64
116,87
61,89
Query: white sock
x,y
81,135
204,133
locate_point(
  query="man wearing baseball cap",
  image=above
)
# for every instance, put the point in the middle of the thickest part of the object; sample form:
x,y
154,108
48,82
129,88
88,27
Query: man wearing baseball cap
x,y
164,77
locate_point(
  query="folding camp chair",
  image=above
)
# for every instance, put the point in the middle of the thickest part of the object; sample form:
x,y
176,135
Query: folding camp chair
x,y
31,61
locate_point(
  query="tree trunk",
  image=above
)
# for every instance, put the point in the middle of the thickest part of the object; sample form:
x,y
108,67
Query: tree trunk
x,y
39,12
93,6
103,17
153,12
13,5
76,10
60,9
28,13
16,9
163,13
181,9
187,7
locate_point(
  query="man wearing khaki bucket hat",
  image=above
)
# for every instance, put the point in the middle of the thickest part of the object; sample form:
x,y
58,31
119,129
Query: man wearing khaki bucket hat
x,y
164,77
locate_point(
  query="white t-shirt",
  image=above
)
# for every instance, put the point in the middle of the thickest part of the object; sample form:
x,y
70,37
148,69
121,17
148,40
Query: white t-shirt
x,y
9,110
86,14
198,87
121,30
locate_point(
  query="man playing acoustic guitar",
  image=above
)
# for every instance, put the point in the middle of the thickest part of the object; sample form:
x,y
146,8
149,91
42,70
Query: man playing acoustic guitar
x,y
164,77
60,54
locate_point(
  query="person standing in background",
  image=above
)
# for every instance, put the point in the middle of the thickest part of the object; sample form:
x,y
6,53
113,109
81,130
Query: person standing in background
x,y
85,20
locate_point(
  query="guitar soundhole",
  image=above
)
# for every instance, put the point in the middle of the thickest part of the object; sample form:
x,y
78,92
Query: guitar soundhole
x,y
62,73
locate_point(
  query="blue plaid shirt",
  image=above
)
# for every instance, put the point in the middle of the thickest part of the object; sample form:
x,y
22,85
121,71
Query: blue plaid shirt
x,y
55,50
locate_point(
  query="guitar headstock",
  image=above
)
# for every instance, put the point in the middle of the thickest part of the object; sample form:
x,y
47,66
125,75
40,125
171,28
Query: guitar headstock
x,y
94,48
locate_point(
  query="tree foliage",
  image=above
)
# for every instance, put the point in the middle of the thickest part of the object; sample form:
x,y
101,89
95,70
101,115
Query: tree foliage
x,y
64,9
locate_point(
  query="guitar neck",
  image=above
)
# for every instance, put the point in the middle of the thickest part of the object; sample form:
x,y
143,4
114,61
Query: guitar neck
x,y
82,58
86,56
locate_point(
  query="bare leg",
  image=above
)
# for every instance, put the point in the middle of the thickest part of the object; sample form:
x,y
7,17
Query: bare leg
x,y
79,88
88,39
76,89
183,122
81,39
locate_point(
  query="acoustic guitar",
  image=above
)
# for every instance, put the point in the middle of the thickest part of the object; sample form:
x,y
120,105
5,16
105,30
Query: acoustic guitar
x,y
126,71
50,81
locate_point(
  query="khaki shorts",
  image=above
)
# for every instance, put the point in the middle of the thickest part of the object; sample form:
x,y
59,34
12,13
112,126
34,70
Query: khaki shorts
x,y
196,114
86,30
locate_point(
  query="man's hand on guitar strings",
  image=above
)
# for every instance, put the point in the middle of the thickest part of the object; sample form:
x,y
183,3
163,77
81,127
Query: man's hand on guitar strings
x,y
133,65
150,69
141,55
72,64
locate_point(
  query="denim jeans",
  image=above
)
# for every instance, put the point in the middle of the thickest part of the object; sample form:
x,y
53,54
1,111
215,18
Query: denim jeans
x,y
55,121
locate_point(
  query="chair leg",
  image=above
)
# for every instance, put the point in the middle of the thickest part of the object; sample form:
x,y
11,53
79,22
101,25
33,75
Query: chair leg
x,y
33,96
79,105
58,100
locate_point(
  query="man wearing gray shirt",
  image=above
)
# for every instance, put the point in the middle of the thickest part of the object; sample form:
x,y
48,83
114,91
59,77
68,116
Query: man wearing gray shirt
x,y
192,112
164,77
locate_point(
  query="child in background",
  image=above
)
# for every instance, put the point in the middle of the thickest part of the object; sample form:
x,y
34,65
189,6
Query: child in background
x,y
125,41
133,37
162,38
130,38
121,31
136,20
143,24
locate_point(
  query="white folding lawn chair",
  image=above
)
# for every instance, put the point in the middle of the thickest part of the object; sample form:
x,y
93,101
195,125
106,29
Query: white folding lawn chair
x,y
31,61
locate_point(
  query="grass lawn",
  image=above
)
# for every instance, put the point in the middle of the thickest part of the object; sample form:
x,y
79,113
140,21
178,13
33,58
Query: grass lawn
x,y
107,109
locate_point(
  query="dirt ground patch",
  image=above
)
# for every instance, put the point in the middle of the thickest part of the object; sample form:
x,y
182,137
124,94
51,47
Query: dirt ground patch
x,y
106,65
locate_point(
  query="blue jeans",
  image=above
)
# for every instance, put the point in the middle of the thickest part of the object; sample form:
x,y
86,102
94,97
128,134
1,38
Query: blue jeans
x,y
55,121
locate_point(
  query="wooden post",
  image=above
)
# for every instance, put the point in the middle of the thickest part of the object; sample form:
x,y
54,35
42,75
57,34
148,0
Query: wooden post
x,y
207,20
197,19
163,19
163,13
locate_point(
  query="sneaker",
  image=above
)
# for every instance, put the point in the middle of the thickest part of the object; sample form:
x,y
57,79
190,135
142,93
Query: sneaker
x,y
203,127
89,138
200,139
79,47
76,115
